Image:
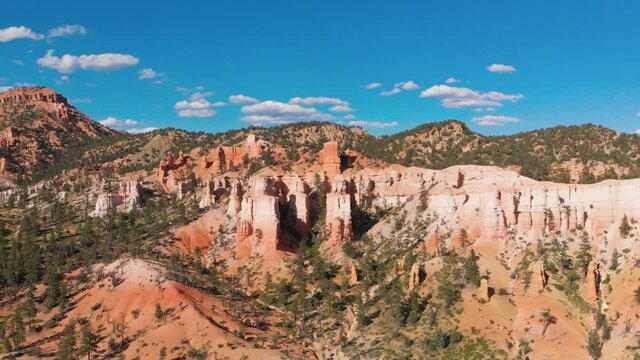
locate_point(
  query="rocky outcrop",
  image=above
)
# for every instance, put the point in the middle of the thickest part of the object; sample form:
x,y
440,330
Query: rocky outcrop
x,y
330,159
259,218
224,158
416,276
129,195
353,275
338,212
543,279
484,291
106,202
298,199
213,190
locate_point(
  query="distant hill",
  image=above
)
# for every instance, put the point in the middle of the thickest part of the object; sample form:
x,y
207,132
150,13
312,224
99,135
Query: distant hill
x,y
42,135
584,153
37,124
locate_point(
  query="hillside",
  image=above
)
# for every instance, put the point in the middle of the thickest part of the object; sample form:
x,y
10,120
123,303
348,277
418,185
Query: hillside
x,y
37,125
583,154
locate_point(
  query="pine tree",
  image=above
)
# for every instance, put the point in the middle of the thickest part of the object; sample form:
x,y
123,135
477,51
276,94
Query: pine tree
x,y
584,256
29,308
16,330
625,227
67,346
472,270
89,340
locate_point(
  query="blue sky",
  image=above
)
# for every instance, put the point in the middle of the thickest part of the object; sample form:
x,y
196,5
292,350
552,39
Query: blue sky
x,y
555,62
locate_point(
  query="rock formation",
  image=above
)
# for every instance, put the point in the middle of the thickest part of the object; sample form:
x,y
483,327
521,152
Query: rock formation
x,y
484,291
259,218
338,214
416,276
330,159
129,195
353,275
212,191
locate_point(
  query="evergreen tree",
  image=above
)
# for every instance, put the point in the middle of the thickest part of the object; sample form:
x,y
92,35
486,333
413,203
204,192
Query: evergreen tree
x,y
67,346
472,270
16,330
89,340
584,257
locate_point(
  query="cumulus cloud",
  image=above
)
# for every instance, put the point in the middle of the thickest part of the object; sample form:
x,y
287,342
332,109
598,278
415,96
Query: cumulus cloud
x,y
147,73
275,112
18,32
373,85
390,92
117,123
242,99
349,117
18,62
317,100
452,80
219,104
459,97
494,120
373,124
66,30
141,130
5,88
200,95
341,108
101,62
501,68
200,108
407,85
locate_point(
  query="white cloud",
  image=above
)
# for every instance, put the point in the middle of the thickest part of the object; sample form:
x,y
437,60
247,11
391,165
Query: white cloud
x,y
452,80
5,88
18,62
501,68
80,101
494,120
390,92
341,108
200,108
147,73
373,85
117,123
484,109
373,124
349,117
200,95
101,62
242,99
459,97
218,104
25,84
142,130
638,113
317,100
62,80
407,85
275,112
18,32
66,30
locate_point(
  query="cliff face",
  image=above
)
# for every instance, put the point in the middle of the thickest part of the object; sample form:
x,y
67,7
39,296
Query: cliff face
x,y
489,203
37,124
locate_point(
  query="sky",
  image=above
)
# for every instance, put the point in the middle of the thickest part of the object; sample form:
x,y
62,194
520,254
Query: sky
x,y
500,66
